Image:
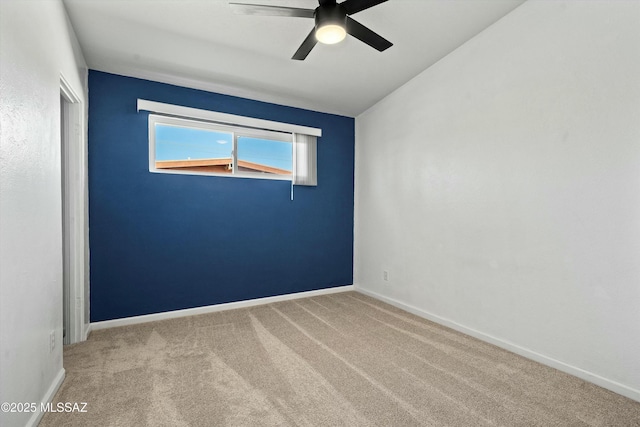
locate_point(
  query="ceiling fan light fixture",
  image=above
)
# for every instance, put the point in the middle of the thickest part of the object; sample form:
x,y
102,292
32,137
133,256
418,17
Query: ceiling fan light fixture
x,y
330,34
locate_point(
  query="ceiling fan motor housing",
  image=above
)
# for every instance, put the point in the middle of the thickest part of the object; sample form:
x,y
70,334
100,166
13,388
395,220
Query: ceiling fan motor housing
x,y
331,15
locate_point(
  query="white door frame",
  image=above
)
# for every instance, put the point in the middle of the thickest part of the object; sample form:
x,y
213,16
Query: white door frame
x,y
74,148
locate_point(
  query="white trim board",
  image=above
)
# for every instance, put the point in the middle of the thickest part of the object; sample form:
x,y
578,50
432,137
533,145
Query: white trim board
x,y
48,397
614,386
224,118
95,326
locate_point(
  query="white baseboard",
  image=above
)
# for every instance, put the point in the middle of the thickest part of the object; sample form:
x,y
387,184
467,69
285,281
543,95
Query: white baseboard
x,y
48,397
87,331
213,308
614,386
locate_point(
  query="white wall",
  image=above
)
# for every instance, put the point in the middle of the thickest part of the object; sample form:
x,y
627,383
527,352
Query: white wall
x,y
501,189
36,46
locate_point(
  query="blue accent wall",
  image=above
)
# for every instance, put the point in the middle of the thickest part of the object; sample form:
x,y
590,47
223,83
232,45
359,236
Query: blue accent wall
x,y
163,242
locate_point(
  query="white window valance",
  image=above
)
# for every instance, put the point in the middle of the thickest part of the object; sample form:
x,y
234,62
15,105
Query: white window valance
x,y
224,118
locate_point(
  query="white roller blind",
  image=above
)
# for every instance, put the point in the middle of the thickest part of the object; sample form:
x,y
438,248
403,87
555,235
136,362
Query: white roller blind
x,y
305,171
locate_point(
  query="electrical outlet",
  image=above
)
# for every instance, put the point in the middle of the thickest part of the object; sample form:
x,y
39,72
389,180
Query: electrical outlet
x,y
52,341
385,275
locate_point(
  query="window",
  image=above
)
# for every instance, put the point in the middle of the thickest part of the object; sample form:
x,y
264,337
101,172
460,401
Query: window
x,y
185,140
185,146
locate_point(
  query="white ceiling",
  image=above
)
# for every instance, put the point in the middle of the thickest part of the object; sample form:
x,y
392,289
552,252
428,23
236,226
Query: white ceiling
x,y
203,44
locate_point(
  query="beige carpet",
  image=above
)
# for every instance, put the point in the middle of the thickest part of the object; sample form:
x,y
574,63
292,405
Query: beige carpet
x,y
336,360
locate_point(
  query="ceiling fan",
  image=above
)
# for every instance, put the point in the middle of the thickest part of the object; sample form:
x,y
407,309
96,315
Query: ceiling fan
x,y
333,22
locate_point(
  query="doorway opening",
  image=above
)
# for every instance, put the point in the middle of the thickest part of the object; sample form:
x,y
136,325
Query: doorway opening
x,y
75,248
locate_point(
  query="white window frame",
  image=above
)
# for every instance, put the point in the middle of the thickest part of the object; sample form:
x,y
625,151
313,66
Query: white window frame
x,y
236,131
304,144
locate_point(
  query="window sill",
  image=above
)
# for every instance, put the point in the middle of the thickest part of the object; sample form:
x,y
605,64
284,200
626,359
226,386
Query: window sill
x,y
222,175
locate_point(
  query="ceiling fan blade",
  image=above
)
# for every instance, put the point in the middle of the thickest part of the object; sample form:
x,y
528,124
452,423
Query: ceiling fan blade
x,y
260,9
355,6
367,36
306,46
